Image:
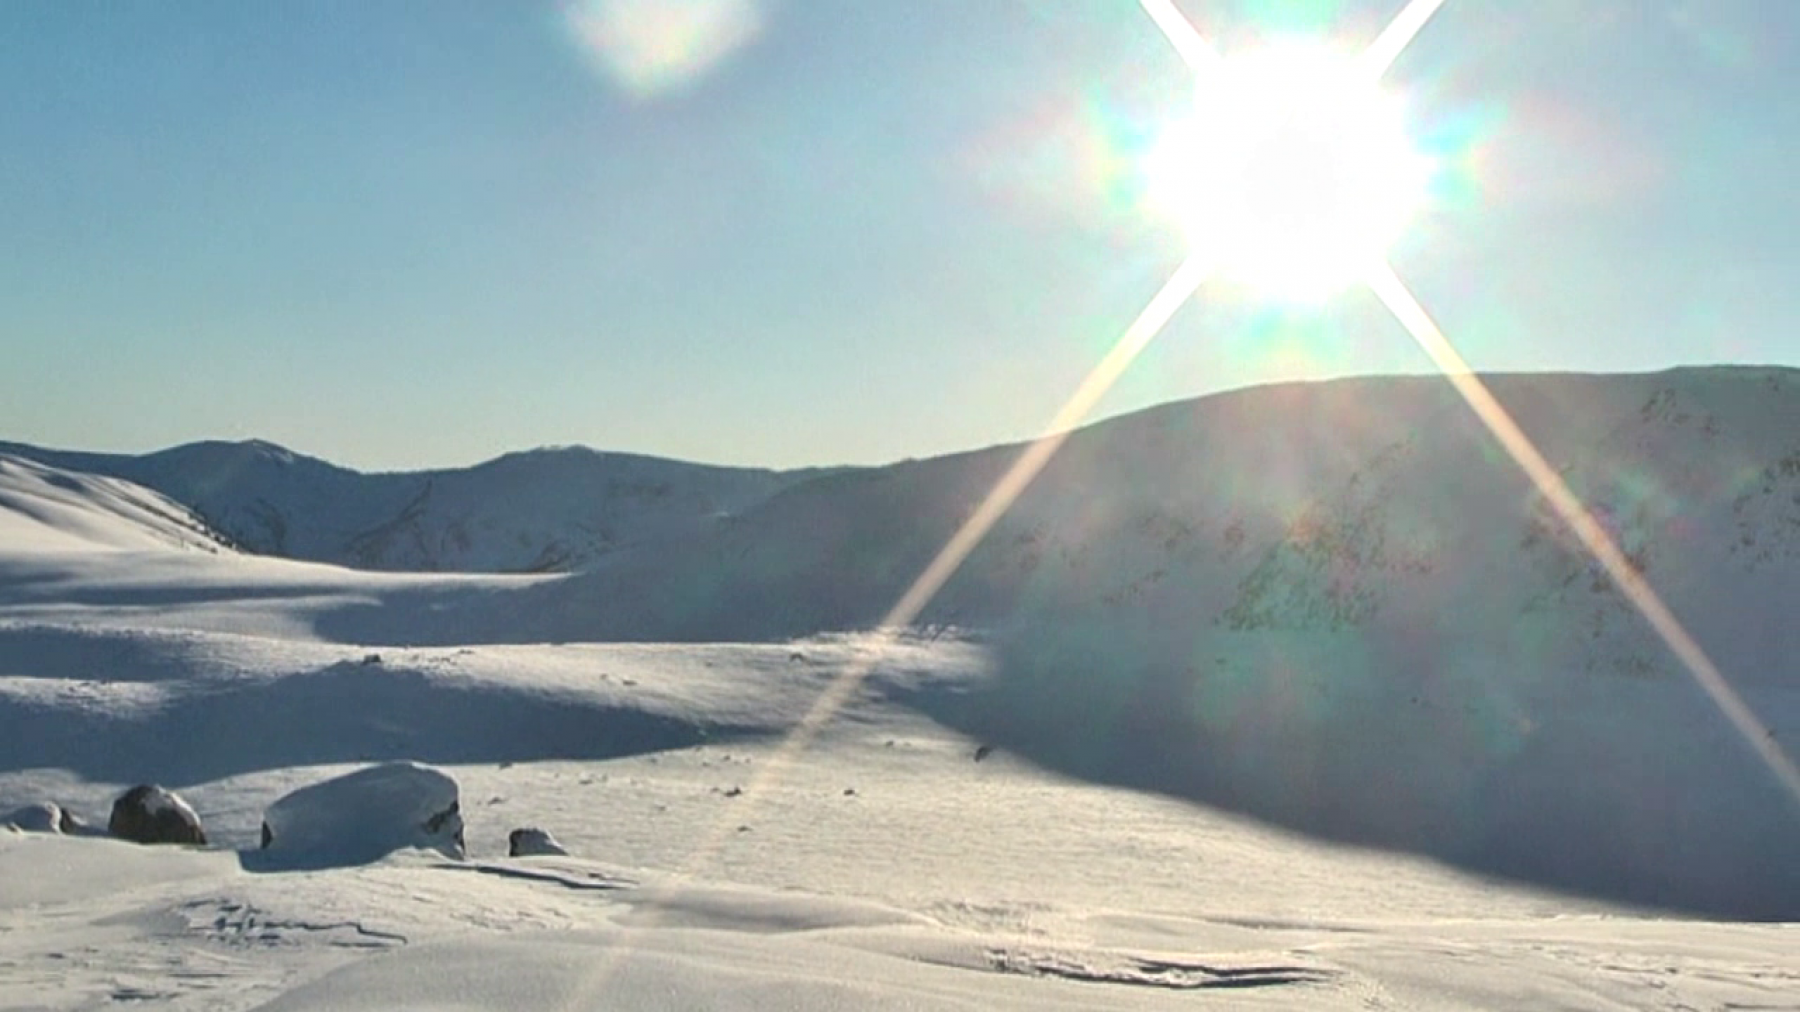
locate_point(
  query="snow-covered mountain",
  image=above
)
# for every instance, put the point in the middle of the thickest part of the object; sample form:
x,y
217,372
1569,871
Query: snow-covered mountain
x,y
544,510
1334,606
1350,507
1337,606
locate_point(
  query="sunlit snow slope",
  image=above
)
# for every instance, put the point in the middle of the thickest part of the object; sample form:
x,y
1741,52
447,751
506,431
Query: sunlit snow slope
x,y
46,509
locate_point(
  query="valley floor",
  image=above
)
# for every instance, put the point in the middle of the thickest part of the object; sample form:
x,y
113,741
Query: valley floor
x,y
882,867
714,864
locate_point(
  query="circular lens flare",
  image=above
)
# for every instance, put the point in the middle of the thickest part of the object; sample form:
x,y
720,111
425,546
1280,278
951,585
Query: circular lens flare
x,y
1293,174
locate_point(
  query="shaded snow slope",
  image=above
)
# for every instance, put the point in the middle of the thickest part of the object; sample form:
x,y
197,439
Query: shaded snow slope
x,y
1343,507
103,552
538,511
180,707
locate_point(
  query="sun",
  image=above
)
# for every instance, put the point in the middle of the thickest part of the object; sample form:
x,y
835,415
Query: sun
x,y
1292,174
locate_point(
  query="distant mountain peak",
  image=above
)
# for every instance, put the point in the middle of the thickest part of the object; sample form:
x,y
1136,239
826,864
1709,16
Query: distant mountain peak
x,y
272,451
558,449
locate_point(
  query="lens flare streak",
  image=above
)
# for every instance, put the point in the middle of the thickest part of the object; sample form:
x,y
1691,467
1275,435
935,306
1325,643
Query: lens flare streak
x,y
1193,48
1399,34
1182,284
1399,300
1150,321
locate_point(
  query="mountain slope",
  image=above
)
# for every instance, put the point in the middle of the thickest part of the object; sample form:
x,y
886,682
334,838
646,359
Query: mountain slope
x,y
47,509
539,511
1330,507
1336,606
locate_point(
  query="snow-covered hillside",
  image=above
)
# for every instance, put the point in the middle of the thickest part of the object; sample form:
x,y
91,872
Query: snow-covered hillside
x,y
1348,506
1337,606
48,509
539,511
1333,608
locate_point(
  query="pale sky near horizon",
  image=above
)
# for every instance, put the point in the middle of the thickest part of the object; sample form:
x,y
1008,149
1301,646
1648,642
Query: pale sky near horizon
x,y
408,233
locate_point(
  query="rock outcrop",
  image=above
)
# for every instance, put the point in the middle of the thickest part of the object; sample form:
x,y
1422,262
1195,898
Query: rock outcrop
x,y
532,842
151,814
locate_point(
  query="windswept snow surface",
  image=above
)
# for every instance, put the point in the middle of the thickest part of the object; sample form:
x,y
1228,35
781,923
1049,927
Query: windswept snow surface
x,y
1090,860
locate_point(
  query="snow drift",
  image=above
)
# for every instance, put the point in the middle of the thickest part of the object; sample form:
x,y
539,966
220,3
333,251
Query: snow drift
x,y
362,817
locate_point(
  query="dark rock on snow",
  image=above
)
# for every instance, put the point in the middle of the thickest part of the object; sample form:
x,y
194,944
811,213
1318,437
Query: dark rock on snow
x,y
150,814
532,842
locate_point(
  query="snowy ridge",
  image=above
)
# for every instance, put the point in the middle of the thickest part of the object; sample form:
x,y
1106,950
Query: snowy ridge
x,y
540,511
1309,507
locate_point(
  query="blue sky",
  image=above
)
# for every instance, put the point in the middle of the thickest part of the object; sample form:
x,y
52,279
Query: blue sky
x,y
400,233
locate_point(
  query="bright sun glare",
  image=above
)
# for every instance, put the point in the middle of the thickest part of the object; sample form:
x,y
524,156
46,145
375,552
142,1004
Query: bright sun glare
x,y
1293,173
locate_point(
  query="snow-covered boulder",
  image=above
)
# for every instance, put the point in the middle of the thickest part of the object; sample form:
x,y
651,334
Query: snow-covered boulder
x,y
71,824
532,842
41,818
151,814
363,816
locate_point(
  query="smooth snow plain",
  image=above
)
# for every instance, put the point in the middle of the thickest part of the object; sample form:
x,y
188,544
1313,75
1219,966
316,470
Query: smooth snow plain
x,y
879,867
